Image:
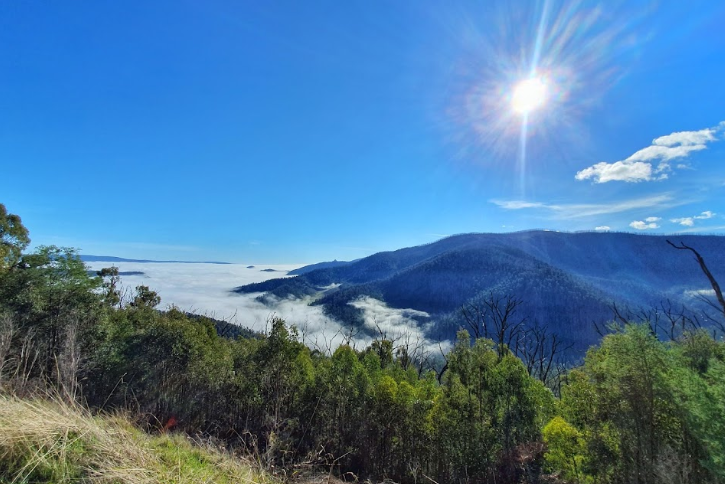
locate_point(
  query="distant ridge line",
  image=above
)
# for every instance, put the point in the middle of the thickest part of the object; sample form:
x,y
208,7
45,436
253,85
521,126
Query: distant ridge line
x,y
108,258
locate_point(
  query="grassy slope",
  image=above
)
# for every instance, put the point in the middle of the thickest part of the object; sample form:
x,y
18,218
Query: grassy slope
x,y
48,441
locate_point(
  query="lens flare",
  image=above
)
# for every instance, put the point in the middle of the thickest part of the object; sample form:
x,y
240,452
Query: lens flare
x,y
529,72
529,95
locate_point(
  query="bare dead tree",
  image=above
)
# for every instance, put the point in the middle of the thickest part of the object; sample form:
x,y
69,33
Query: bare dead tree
x,y
665,320
706,271
626,315
676,321
496,317
350,335
439,374
419,354
507,327
541,351
475,317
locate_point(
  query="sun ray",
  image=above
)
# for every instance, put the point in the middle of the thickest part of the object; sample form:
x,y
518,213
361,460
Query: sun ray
x,y
546,65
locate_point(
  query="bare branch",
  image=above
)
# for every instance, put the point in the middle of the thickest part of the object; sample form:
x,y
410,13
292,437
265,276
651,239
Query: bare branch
x,y
703,266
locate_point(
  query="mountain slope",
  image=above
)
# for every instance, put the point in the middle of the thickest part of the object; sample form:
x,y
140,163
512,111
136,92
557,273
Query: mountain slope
x,y
565,280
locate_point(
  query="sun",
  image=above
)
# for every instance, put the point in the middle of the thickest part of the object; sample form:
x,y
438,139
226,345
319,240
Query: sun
x,y
528,95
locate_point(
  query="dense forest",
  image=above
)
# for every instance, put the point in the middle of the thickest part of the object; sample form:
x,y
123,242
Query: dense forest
x,y
641,408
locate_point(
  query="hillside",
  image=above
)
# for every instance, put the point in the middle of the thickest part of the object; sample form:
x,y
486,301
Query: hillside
x,y
565,280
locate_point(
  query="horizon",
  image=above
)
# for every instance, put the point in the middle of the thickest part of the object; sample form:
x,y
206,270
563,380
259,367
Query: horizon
x,y
298,265
286,132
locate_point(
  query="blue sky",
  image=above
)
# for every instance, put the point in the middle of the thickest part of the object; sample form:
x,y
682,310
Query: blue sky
x,y
294,132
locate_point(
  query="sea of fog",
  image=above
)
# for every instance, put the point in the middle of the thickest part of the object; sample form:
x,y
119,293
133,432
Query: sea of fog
x,y
207,289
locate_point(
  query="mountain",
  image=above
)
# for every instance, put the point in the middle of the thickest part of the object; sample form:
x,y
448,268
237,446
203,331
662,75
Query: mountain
x,y
108,258
319,265
567,281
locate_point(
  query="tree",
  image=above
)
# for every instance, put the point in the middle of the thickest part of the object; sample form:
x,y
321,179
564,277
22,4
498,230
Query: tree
x,y
565,448
648,411
496,318
13,238
145,298
111,281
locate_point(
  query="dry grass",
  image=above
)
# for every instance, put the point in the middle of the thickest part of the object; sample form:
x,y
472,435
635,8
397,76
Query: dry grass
x,y
52,441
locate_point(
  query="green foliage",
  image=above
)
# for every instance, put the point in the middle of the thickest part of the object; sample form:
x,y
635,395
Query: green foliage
x,y
54,310
700,390
646,411
111,290
13,239
145,298
565,448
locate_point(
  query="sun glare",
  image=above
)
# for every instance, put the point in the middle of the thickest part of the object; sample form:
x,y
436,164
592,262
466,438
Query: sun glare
x,y
529,95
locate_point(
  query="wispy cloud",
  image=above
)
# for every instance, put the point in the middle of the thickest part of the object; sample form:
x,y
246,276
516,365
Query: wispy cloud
x,y
519,204
702,229
580,210
603,228
639,166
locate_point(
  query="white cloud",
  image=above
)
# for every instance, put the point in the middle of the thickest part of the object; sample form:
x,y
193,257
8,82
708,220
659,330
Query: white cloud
x,y
603,228
640,225
638,167
579,210
203,288
652,219
620,171
686,221
705,215
377,316
206,289
664,153
687,138
690,221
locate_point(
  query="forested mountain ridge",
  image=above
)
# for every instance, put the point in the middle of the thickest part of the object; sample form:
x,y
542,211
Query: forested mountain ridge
x,y
319,265
568,280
